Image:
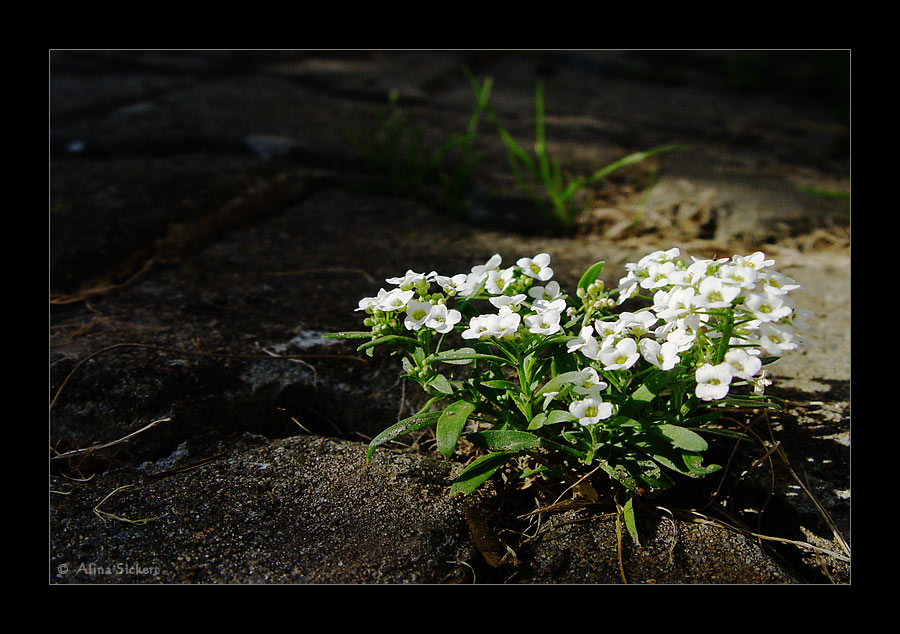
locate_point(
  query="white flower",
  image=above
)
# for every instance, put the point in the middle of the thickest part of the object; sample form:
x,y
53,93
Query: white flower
x,y
543,323
590,411
664,356
508,322
549,293
778,284
542,305
716,293
471,285
367,303
497,281
606,329
657,275
713,381
742,276
537,267
621,356
658,256
760,384
416,314
768,307
394,299
442,319
628,286
677,303
699,269
777,338
586,343
451,284
411,280
756,260
680,277
743,365
507,300
491,265
681,337
482,326
636,324
589,383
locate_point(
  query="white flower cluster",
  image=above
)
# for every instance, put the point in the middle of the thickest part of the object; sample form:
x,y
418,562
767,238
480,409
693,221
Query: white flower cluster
x,y
411,295
693,306
590,408
685,298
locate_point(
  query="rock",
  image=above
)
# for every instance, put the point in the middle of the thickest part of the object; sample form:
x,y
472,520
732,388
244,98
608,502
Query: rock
x,y
573,548
300,510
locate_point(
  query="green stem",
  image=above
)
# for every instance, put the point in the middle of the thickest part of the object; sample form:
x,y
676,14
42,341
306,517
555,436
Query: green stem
x,y
726,337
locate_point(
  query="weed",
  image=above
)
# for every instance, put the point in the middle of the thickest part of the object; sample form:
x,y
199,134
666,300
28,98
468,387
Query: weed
x,y
541,177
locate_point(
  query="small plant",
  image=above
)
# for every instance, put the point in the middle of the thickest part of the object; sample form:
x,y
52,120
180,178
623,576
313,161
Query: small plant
x,y
542,178
396,152
560,386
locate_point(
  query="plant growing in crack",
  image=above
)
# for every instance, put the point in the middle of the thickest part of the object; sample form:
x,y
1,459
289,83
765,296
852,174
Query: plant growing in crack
x,y
560,386
542,177
396,151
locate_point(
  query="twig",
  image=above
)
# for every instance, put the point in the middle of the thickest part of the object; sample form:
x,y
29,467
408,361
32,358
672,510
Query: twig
x,y
576,483
300,361
708,520
79,452
463,563
101,290
834,529
619,542
103,515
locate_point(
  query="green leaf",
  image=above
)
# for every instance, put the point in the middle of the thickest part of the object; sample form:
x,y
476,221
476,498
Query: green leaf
x,y
557,382
628,515
729,433
349,334
694,463
630,160
618,473
455,357
440,383
590,275
386,339
701,419
578,450
505,440
550,418
747,402
538,421
463,356
479,471
655,383
406,426
653,476
623,421
450,426
499,384
683,438
559,416
681,461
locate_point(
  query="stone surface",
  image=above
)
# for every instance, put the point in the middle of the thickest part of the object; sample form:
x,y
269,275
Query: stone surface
x,y
210,219
298,510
